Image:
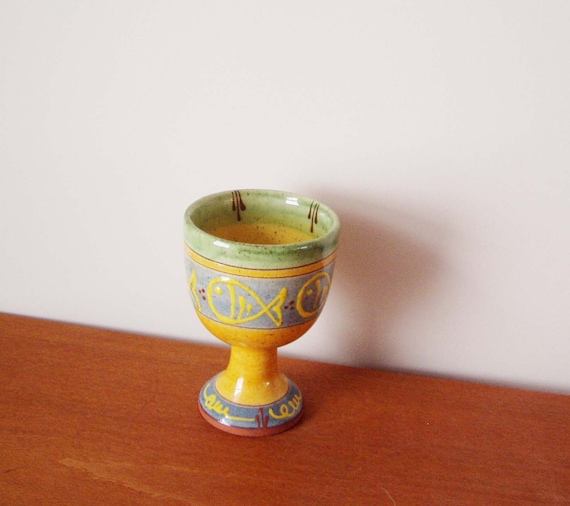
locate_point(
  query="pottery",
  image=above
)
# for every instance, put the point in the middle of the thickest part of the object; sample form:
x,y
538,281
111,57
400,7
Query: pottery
x,y
259,266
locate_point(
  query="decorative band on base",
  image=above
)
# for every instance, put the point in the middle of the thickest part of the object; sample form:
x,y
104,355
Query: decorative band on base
x,y
243,420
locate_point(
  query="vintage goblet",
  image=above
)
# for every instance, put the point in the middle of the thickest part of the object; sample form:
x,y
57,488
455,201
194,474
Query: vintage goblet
x,y
259,265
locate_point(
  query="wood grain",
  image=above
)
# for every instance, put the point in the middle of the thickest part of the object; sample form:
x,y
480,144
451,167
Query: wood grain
x,y
91,416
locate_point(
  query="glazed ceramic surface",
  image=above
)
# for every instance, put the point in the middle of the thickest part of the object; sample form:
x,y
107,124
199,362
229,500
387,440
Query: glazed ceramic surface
x,y
259,266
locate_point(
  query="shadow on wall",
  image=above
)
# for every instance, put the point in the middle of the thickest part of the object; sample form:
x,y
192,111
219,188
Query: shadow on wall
x,y
385,267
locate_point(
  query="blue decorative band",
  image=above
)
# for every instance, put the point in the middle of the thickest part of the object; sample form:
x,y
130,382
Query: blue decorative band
x,y
264,303
231,414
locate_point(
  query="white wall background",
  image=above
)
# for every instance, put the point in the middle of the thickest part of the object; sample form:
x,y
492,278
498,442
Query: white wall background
x,y
438,130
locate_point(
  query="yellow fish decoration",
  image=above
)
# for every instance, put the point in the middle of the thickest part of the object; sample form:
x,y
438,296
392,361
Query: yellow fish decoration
x,y
241,311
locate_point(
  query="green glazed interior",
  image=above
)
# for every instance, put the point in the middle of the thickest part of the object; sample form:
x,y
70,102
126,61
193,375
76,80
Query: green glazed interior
x,y
265,207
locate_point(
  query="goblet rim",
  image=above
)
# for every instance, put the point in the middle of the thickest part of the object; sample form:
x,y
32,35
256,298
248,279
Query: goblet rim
x,y
316,248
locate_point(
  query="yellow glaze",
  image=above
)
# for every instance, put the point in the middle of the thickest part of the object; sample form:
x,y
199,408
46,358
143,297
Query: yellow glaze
x,y
260,233
252,377
258,338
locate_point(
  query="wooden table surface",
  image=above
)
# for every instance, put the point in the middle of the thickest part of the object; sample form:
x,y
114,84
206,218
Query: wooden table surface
x,y
91,416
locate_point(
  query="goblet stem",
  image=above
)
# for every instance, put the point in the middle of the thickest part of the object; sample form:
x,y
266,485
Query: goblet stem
x,y
252,376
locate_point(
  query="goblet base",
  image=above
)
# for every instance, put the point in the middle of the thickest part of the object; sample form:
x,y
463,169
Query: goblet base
x,y
250,420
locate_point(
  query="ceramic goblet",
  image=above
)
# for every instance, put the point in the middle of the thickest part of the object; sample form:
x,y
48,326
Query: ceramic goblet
x,y
259,266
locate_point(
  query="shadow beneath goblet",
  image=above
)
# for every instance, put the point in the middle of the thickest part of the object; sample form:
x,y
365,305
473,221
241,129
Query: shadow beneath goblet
x,y
387,266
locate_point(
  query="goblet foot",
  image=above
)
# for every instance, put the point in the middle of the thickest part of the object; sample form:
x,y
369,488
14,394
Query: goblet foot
x,y
251,420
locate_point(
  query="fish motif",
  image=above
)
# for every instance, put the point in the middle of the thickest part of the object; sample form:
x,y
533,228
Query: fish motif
x,y
234,302
313,295
193,289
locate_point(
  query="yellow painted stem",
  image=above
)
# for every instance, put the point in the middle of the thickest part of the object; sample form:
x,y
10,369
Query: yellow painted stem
x,y
252,376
